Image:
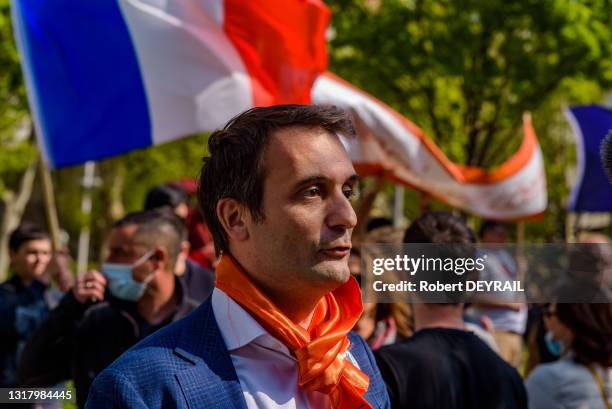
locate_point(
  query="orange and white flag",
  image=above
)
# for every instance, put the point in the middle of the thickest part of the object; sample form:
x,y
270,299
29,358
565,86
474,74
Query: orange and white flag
x,y
390,145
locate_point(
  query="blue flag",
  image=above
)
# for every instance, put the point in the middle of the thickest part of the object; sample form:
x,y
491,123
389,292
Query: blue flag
x,y
592,191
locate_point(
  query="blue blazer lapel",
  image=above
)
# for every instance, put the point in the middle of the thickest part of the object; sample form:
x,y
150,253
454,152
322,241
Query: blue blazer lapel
x,y
211,381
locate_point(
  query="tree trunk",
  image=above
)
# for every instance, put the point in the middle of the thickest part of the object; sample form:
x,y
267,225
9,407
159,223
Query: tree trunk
x,y
14,206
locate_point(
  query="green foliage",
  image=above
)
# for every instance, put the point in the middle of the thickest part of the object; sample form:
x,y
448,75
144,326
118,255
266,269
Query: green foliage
x,y
150,167
136,172
466,70
130,176
16,148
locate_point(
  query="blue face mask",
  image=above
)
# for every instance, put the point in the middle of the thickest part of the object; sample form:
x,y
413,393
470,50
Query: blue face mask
x,y
121,284
554,347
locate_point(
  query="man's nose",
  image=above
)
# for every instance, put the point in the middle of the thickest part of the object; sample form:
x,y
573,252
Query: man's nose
x,y
340,212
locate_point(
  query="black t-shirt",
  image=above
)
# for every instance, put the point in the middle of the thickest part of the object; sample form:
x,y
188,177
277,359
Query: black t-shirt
x,y
448,369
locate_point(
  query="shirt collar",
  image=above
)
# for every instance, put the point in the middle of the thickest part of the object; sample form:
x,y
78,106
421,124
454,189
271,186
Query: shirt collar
x,y
239,329
237,326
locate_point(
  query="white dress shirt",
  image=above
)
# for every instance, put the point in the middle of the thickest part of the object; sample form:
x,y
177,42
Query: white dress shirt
x,y
267,371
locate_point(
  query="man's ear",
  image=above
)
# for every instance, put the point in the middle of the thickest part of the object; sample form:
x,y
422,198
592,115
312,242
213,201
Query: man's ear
x,y
232,216
159,258
185,247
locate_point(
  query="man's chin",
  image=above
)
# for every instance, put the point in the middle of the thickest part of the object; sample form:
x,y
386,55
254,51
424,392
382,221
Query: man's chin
x,y
332,272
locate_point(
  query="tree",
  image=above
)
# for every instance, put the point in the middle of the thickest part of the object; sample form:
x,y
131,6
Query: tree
x,y
125,179
17,150
466,70
124,183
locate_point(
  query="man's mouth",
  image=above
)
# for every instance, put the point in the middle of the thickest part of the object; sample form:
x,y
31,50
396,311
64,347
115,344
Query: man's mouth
x,y
336,252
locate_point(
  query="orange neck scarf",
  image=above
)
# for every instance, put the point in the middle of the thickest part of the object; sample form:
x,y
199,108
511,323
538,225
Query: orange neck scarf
x,y
319,349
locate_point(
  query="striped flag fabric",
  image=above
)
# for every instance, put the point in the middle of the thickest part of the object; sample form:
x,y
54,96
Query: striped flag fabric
x,y
108,76
592,191
390,145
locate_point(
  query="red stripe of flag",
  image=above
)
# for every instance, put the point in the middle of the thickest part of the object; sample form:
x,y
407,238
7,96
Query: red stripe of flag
x,y
282,43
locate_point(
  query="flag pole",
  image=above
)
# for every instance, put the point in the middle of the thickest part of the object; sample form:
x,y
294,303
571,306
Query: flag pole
x,y
398,206
89,173
520,250
49,203
570,219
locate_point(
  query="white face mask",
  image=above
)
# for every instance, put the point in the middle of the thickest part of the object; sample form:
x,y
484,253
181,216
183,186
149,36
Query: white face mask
x,y
121,284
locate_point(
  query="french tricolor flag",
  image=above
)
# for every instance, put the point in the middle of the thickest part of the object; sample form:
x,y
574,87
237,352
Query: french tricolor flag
x,y
108,76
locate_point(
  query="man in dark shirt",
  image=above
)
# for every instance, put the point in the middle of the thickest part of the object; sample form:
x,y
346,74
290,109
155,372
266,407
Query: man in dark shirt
x,y
140,294
443,365
24,298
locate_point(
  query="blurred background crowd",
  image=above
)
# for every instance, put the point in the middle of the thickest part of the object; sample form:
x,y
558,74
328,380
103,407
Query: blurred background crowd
x,y
60,329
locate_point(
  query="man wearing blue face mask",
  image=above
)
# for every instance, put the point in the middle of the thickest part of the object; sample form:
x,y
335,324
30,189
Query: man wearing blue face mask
x,y
121,282
135,293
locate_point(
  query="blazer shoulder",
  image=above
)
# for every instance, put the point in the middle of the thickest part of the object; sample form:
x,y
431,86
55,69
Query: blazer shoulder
x,y
164,366
377,391
172,347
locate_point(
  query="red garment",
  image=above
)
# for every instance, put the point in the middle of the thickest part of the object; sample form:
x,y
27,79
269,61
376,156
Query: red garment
x,y
202,245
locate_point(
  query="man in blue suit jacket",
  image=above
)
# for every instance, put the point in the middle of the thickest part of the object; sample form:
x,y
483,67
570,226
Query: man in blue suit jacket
x,y
275,193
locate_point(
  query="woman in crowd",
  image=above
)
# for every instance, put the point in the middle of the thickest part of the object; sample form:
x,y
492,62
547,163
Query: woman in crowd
x,y
582,378
381,323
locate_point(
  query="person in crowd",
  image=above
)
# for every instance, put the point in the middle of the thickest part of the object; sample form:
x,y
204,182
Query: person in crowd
x,y
538,347
176,196
589,272
26,297
508,317
199,280
587,278
135,294
169,196
378,222
380,324
581,335
275,192
443,365
200,239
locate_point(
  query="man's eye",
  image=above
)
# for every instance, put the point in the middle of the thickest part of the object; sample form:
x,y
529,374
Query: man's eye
x,y
349,192
312,192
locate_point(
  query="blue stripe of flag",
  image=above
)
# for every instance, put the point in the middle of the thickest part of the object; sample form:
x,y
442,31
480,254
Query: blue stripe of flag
x,y
83,77
592,191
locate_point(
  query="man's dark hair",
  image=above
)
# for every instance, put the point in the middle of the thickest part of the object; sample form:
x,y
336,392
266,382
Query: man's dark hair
x,y
158,226
26,232
591,325
165,195
377,222
439,228
234,167
490,225
443,228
